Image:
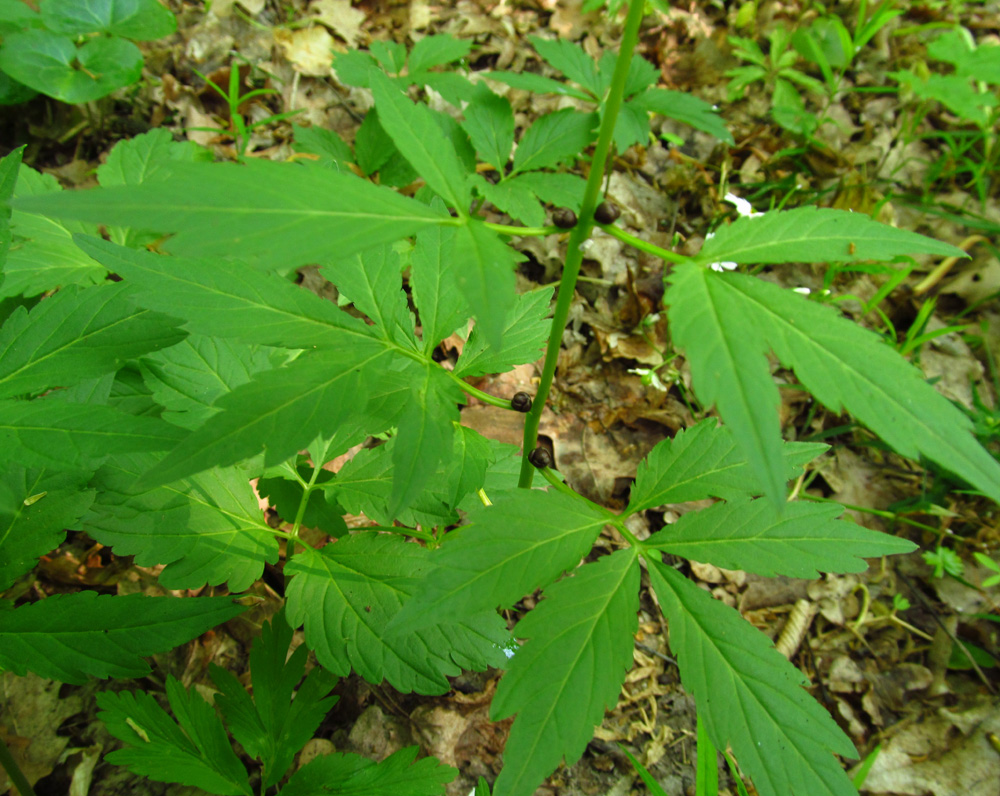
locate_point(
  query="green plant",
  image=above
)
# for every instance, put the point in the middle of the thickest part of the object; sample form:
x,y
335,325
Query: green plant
x,y
73,51
138,410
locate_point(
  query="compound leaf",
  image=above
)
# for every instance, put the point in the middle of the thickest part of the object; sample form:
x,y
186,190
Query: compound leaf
x,y
525,330
70,637
341,774
749,696
554,138
570,671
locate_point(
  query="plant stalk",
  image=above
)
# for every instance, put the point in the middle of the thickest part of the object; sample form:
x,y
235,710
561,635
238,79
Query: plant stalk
x,y
14,773
581,232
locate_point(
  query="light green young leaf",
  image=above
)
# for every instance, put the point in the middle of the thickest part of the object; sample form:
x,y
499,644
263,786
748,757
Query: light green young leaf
x,y
70,637
799,541
207,528
76,335
569,672
572,61
489,121
486,277
686,108
512,197
373,281
418,136
814,235
562,190
524,332
194,750
348,592
142,20
277,413
436,50
749,696
227,299
523,542
263,212
706,461
36,509
340,774
528,81
434,281
554,138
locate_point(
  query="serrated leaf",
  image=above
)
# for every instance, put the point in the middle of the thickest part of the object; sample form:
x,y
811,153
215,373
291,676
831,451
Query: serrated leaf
x,y
194,750
278,413
373,282
70,637
489,121
207,528
814,235
436,50
36,509
227,299
686,108
800,541
706,461
521,543
554,138
434,282
571,60
340,774
418,136
562,190
9,167
631,126
749,696
466,472
261,211
331,149
528,81
372,144
347,593
512,197
76,335
569,672
486,277
524,333
136,160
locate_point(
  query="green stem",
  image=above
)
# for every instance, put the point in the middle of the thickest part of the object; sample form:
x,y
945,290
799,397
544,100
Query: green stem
x,y
641,245
485,397
580,233
510,229
14,773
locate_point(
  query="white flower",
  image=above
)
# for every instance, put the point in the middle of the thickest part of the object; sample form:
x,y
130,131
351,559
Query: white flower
x,y
743,207
803,290
723,266
649,378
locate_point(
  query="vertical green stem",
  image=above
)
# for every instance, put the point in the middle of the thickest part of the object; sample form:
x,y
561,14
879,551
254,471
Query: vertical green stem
x,y
581,232
14,773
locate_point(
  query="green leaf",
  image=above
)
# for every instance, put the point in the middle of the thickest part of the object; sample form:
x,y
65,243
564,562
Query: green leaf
x,y
143,20
553,139
436,50
523,542
466,471
489,121
813,235
528,81
50,432
9,167
278,413
330,147
264,212
706,461
434,281
570,671
800,540
524,333
512,197
285,495
686,108
391,55
631,126
227,299
749,696
36,509
571,60
271,726
372,144
70,637
341,774
207,528
486,277
193,751
54,65
133,161
562,190
373,282
76,335
418,136
348,592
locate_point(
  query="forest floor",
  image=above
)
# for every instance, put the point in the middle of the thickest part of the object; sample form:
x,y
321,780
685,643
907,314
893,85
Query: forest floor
x,y
879,648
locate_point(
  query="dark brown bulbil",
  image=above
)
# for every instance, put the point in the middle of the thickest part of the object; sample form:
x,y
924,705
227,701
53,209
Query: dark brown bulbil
x,y
521,402
607,212
564,218
540,458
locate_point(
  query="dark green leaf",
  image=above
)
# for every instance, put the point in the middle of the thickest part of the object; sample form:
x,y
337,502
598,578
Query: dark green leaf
x,y
514,198
555,138
486,278
341,774
524,333
571,60
434,281
562,190
686,108
489,121
143,20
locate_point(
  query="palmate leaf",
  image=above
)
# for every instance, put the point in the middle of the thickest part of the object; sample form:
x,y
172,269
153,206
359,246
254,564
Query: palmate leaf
x,y
277,413
814,235
522,542
749,696
226,299
706,461
720,316
800,540
348,592
194,750
263,212
434,281
486,277
70,637
524,332
36,509
76,335
400,774
207,528
570,671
